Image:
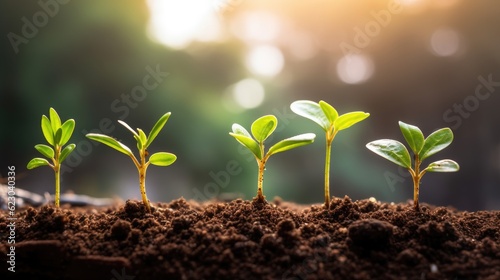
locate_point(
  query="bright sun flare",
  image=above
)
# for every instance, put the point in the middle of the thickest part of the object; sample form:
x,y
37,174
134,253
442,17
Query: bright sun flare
x,y
177,23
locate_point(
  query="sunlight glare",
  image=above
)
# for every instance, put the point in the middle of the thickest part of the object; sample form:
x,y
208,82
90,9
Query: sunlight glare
x,y
265,60
256,27
177,23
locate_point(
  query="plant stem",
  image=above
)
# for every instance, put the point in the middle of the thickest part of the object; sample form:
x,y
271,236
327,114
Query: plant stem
x,y
330,135
142,180
57,172
327,173
416,183
262,167
57,169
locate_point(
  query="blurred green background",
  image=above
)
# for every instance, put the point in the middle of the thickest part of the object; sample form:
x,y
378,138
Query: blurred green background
x,y
428,63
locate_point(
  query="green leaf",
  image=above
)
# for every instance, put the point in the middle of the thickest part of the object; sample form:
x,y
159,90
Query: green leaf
x,y
162,159
45,150
392,150
157,128
37,162
47,130
437,141
55,121
245,139
67,130
348,119
128,127
413,135
139,142
111,142
58,136
329,111
311,110
248,142
263,127
445,165
66,151
238,129
142,136
291,143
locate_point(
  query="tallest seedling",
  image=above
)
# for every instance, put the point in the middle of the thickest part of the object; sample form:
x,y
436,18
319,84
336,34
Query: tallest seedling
x,y
327,117
143,142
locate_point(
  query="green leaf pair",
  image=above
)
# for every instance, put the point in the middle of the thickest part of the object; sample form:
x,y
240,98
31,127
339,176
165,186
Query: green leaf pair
x,y
261,129
326,116
396,152
143,142
57,135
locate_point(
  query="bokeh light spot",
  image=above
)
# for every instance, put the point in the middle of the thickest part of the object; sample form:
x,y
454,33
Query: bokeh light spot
x,y
445,42
248,93
355,69
265,60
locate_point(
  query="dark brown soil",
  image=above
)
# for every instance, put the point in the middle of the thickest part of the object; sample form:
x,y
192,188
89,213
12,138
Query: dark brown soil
x,y
247,240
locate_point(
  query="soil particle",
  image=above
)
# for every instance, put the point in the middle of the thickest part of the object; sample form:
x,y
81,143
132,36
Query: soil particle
x,y
120,230
370,234
241,239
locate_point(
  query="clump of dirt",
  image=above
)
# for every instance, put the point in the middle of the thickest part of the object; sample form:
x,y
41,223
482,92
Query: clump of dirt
x,y
249,240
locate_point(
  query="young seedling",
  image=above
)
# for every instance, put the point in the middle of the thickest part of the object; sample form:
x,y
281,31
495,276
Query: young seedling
x,y
143,142
327,117
261,129
396,152
57,135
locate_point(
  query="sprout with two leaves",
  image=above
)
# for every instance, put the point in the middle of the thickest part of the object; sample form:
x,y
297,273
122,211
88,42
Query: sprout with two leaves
x,y
143,142
396,152
57,135
261,129
327,117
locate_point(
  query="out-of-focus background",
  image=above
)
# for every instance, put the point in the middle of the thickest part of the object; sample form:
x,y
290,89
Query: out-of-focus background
x,y
212,63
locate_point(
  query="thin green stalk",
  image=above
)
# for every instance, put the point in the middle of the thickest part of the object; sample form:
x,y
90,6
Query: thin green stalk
x,y
327,173
330,135
57,170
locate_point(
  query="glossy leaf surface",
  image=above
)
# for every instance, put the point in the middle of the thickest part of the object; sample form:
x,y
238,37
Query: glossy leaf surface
x,y
445,165
291,143
111,142
435,142
413,136
162,159
263,127
391,150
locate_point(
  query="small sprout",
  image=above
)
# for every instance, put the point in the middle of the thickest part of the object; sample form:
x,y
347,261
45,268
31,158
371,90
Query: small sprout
x,y
261,129
396,152
327,117
57,135
143,142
